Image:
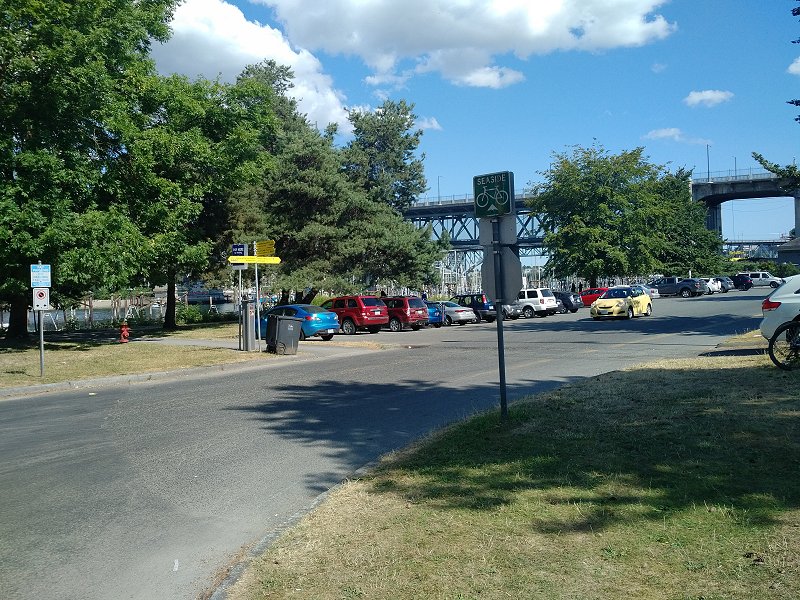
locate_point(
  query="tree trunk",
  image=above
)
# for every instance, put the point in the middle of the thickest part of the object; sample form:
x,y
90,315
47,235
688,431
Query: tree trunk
x,y
309,297
169,315
18,318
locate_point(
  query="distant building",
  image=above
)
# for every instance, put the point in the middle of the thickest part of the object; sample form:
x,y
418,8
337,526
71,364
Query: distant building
x,y
790,252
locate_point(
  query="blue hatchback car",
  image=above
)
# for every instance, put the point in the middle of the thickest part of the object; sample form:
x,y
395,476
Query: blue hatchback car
x,y
435,313
315,320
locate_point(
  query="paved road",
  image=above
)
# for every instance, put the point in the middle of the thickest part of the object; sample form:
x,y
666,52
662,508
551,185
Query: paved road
x,y
149,490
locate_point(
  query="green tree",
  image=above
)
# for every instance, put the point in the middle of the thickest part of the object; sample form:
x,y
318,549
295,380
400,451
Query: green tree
x,y
66,71
618,215
381,158
329,234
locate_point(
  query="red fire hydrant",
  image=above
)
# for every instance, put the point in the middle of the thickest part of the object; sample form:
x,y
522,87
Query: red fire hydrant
x,y
124,333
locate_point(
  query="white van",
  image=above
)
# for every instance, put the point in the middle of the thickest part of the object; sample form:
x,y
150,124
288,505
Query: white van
x,y
536,301
763,278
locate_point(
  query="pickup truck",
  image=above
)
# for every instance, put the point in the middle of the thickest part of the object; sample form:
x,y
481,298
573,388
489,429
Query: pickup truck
x,y
676,286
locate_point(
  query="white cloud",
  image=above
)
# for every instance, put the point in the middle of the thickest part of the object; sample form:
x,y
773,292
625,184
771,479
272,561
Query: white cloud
x,y
212,38
464,40
794,68
658,68
674,134
429,123
707,98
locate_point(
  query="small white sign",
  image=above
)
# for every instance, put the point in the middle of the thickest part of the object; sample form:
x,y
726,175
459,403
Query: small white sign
x,y
41,298
40,276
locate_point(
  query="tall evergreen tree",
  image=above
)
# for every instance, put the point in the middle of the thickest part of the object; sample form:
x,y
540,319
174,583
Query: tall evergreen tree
x,y
381,159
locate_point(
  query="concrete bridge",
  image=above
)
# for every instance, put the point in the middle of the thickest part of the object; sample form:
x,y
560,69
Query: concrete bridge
x,y
714,189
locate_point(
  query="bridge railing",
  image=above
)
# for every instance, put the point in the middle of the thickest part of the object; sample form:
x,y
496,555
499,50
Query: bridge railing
x,y
731,175
750,174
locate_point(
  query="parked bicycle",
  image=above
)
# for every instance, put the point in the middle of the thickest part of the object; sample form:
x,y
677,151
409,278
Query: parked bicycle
x,y
784,346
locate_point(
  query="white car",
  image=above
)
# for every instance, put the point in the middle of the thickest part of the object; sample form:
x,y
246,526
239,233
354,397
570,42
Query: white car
x,y
781,306
537,301
714,286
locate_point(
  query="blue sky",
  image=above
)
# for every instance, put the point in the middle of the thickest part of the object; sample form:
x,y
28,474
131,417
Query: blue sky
x,y
500,85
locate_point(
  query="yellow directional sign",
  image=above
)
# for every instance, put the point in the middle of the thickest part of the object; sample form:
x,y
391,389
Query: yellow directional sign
x,y
265,248
260,260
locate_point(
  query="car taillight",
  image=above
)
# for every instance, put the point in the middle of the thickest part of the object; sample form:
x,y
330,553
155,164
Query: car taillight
x,y
309,318
768,305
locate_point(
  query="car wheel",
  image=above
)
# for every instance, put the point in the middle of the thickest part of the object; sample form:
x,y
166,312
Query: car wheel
x,y
395,324
327,337
448,320
629,315
302,336
773,284
686,293
479,317
648,311
527,312
348,327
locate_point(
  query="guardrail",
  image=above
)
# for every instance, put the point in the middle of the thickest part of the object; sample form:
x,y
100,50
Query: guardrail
x,y
712,177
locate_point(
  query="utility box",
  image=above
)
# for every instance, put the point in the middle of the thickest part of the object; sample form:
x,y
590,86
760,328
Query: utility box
x,y
248,330
283,334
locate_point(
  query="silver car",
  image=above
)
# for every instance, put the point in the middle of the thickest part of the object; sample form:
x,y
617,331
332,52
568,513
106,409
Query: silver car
x,y
455,313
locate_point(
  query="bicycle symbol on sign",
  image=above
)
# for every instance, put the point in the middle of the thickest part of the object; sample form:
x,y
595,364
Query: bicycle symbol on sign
x,y
497,197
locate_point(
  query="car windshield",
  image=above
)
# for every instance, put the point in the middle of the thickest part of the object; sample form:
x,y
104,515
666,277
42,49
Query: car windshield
x,y
547,293
416,303
451,304
372,302
617,293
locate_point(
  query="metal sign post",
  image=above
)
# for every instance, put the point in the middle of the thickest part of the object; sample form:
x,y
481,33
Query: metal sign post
x,y
239,250
40,282
498,306
501,274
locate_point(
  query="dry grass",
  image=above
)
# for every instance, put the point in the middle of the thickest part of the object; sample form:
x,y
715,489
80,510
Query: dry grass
x,y
671,480
71,361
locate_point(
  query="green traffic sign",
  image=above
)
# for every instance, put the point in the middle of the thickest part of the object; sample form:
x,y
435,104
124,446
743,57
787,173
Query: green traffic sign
x,y
494,194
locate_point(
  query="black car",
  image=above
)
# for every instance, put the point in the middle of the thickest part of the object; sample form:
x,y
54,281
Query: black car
x,y
480,303
570,301
742,282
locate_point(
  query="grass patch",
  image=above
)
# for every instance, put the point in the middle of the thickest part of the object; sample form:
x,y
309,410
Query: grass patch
x,y
672,480
70,360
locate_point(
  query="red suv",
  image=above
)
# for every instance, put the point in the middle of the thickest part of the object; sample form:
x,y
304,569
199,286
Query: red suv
x,y
406,311
358,312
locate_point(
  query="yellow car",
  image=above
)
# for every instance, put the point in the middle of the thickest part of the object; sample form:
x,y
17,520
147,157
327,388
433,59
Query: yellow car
x,y
621,301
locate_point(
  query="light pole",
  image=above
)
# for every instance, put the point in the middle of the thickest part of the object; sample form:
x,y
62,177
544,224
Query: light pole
x,y
708,164
438,189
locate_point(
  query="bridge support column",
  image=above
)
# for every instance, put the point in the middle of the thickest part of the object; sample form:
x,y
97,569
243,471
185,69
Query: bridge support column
x,y
796,213
714,217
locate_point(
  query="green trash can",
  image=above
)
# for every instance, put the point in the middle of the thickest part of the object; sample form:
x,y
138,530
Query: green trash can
x,y
283,334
